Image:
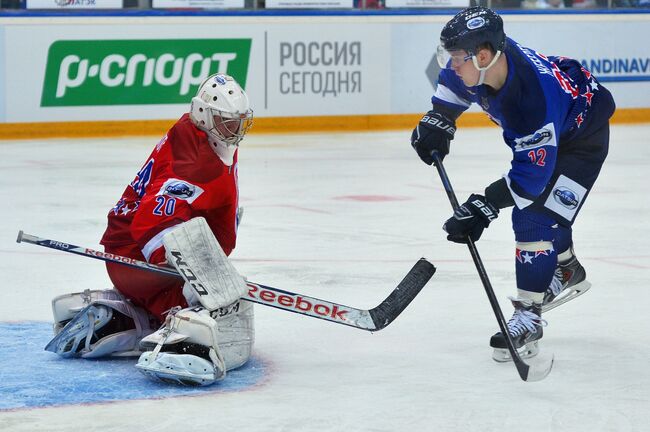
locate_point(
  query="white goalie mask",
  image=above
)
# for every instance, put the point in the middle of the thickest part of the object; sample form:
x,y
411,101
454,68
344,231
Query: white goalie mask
x,y
221,109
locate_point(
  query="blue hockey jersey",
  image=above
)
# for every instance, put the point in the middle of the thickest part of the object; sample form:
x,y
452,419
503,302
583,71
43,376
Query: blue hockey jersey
x,y
545,104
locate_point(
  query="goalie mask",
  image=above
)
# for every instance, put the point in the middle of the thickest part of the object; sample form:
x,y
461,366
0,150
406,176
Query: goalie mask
x,y
221,109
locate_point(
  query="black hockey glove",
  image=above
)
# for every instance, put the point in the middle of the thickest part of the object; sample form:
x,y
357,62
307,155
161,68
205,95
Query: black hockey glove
x,y
433,133
470,219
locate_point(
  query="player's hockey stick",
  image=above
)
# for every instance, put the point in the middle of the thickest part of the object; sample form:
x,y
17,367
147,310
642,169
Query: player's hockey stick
x,y
372,320
526,372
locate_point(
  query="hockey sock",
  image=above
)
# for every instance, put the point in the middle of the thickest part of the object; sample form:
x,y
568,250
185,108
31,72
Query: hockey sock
x,y
563,242
535,264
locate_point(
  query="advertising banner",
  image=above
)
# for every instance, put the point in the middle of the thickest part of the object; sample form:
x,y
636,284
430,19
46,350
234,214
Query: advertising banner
x,y
104,69
202,4
336,70
74,4
427,3
106,72
596,42
309,4
137,71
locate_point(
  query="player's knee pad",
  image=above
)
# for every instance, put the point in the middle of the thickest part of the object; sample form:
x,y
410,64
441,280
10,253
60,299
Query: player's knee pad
x,y
535,264
532,227
109,325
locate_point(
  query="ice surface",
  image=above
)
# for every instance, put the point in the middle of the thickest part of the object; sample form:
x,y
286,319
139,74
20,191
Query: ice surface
x,y
343,217
42,379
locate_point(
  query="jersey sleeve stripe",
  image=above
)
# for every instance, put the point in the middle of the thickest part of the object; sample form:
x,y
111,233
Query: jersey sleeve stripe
x,y
444,95
155,243
520,201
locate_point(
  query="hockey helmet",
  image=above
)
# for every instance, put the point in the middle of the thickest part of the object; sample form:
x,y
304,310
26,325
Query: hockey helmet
x,y
222,110
471,28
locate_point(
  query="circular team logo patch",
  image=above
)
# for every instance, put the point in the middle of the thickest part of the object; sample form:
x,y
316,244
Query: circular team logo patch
x,y
475,23
566,197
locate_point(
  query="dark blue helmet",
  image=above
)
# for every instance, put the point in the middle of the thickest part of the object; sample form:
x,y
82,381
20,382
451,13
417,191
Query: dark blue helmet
x,y
471,28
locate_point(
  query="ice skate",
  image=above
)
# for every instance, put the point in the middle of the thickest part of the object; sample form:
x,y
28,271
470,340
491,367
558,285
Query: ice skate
x,y
525,328
569,282
184,350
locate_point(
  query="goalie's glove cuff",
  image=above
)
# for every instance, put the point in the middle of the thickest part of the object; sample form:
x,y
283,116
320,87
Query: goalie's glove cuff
x,y
470,219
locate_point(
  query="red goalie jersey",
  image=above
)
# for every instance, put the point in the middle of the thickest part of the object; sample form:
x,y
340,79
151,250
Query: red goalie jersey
x,y
182,179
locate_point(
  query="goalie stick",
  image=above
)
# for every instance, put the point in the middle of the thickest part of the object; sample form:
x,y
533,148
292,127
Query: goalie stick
x,y
526,372
373,319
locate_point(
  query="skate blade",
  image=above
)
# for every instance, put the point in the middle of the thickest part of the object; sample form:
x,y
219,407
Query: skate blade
x,y
502,355
171,377
568,295
539,368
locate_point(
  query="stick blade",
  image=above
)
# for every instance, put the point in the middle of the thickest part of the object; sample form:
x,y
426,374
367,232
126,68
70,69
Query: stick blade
x,y
403,295
539,370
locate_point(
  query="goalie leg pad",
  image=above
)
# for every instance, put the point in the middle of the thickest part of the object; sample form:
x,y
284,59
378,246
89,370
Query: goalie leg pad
x,y
236,333
195,252
67,306
103,328
185,349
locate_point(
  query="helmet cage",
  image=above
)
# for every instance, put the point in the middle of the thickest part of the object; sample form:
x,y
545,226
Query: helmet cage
x,y
221,109
227,127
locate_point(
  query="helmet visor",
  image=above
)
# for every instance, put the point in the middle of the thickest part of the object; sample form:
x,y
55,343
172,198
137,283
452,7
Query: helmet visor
x,y
450,59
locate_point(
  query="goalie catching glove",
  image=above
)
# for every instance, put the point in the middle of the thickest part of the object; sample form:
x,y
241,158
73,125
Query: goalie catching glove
x,y
470,219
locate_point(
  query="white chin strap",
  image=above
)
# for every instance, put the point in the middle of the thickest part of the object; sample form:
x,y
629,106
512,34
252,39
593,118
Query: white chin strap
x,y
225,152
482,71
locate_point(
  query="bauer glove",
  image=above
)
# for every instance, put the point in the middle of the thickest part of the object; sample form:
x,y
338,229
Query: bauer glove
x,y
433,133
470,219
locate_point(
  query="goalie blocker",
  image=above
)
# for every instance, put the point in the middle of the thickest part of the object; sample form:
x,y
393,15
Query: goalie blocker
x,y
210,278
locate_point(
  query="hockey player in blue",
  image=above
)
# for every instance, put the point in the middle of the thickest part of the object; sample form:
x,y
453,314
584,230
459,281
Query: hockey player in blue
x,y
555,119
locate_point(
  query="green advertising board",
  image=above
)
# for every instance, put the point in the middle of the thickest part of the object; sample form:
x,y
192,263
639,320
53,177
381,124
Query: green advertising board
x,y
138,72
